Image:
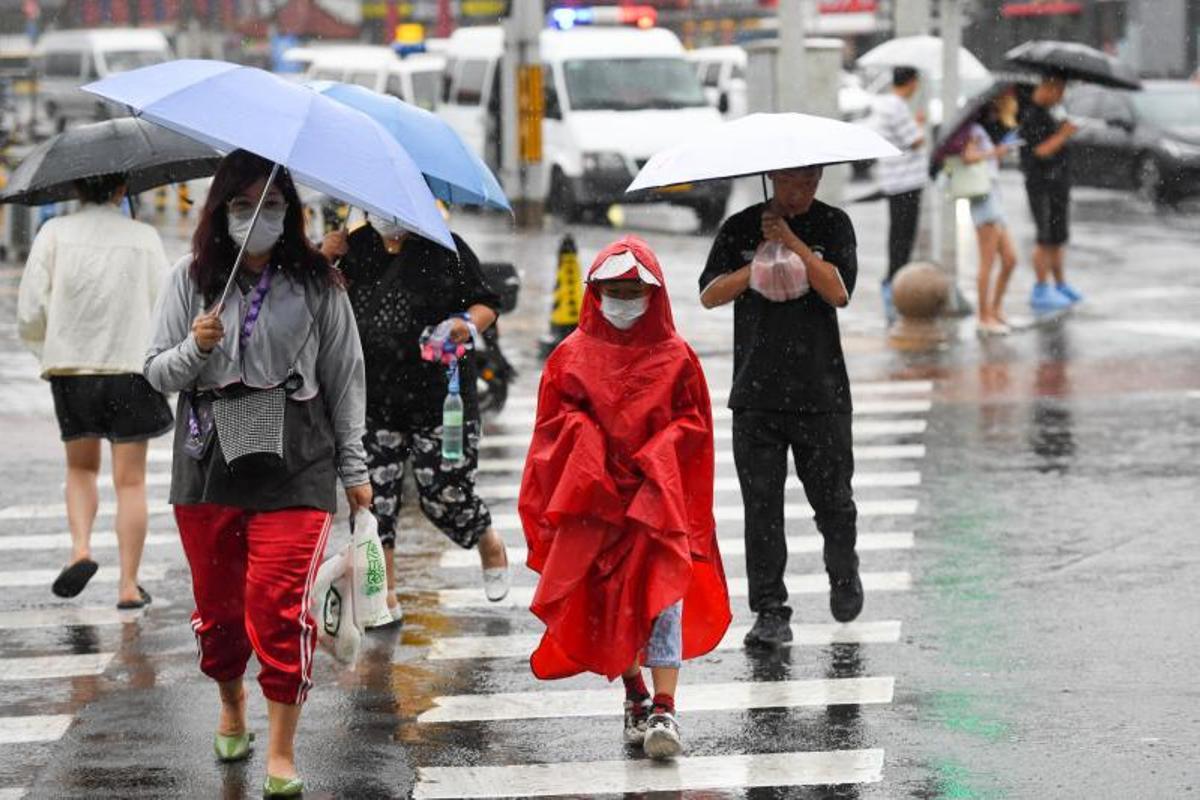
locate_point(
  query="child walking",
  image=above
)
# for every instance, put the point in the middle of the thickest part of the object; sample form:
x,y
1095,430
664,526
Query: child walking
x,y
616,499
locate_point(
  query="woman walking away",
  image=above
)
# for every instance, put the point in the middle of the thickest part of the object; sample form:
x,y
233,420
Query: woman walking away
x,y
616,500
400,284
84,308
270,416
985,141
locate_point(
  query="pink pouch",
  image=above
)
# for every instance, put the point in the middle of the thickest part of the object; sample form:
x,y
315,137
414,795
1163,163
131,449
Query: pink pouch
x,y
777,273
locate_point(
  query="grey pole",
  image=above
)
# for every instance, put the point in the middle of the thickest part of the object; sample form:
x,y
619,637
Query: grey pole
x,y
910,17
524,181
951,11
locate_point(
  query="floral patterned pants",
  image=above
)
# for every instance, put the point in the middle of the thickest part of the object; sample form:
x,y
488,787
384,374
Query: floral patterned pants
x,y
445,489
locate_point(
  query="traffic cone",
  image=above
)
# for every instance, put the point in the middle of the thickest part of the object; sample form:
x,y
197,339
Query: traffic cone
x,y
568,297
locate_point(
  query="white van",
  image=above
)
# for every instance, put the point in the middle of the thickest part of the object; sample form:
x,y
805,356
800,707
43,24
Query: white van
x,y
66,60
722,73
415,78
614,96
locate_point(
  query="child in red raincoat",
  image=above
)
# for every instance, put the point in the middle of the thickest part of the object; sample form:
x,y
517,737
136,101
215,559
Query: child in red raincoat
x,y
616,499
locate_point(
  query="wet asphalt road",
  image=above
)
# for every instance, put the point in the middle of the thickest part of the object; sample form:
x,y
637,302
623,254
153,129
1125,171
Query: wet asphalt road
x,y
1033,504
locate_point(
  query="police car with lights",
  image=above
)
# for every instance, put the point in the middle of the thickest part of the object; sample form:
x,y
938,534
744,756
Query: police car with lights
x,y
617,90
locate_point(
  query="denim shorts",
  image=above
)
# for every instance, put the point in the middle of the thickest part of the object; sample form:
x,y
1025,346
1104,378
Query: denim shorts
x,y
665,648
988,209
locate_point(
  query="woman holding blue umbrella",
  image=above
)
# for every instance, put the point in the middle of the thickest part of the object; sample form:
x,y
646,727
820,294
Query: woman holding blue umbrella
x,y
272,392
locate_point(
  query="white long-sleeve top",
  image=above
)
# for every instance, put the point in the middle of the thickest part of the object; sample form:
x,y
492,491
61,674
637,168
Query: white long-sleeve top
x,y
88,291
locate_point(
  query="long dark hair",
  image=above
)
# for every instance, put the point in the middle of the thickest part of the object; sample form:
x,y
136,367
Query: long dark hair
x,y
213,249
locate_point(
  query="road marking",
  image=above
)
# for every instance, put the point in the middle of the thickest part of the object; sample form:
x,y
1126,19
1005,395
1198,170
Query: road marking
x,y
862,480
731,546
791,511
29,730
44,577
897,452
813,635
57,510
869,429
12,793
63,666
57,541
64,616
1163,327
835,767
525,416
814,583
738,696
160,478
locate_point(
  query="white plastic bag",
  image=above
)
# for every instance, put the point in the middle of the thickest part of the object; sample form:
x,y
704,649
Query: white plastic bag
x,y
333,608
777,273
370,575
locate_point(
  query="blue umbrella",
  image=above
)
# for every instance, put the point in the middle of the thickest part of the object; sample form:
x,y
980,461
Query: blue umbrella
x,y
455,173
324,144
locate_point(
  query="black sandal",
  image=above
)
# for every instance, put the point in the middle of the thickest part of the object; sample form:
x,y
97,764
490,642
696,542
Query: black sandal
x,y
133,605
74,577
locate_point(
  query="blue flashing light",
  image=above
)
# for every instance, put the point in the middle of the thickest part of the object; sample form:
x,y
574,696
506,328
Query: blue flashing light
x,y
408,49
566,18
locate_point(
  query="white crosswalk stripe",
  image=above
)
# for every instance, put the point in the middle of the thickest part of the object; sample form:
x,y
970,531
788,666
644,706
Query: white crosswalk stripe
x,y
900,452
857,388
519,417
818,582
521,645
867,429
101,540
791,511
18,578
463,559
46,667
700,697
12,793
66,616
33,729
59,510
620,777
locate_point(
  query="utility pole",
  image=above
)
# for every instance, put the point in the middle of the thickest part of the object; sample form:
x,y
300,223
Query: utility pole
x,y
951,21
911,17
795,16
521,113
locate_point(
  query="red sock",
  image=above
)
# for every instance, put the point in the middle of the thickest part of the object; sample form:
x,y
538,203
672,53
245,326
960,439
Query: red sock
x,y
664,702
635,687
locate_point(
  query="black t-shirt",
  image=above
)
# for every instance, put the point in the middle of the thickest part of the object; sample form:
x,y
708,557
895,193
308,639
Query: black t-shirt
x,y
1037,125
787,356
395,298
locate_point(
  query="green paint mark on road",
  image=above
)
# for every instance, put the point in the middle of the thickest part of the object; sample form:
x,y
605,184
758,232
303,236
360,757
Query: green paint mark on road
x,y
954,783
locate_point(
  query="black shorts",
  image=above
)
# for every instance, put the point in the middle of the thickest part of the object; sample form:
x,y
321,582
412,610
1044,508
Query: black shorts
x,y
120,408
1050,204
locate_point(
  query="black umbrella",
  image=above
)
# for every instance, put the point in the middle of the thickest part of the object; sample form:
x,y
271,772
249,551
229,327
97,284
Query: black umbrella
x,y
1074,61
149,155
971,111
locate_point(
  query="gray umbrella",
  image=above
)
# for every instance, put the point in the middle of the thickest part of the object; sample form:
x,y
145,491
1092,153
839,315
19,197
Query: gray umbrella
x,y
1074,61
149,155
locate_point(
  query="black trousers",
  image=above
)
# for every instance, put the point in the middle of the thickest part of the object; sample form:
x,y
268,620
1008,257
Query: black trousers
x,y
903,211
822,448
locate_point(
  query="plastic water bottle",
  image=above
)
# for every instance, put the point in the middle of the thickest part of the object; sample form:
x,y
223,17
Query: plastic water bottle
x,y
452,420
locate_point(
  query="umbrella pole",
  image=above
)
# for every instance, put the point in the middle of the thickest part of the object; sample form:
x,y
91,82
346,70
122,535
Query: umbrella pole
x,y
237,264
766,197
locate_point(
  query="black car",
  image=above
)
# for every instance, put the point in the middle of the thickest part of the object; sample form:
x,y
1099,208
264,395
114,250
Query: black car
x,y
1148,141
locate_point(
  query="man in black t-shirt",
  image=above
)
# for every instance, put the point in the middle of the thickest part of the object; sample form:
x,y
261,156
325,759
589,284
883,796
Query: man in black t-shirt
x,y
790,391
1048,187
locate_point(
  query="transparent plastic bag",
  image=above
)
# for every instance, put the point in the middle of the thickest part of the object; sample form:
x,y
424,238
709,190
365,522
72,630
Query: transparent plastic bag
x,y
333,608
777,273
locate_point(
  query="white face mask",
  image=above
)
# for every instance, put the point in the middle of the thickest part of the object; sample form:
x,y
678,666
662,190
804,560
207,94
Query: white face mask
x,y
622,314
389,230
266,232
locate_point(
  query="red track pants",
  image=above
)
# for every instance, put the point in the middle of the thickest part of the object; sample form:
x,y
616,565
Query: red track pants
x,y
252,577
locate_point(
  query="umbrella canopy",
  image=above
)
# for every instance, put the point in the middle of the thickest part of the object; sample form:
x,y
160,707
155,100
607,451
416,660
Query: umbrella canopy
x,y
455,173
761,143
1074,61
149,155
324,144
923,53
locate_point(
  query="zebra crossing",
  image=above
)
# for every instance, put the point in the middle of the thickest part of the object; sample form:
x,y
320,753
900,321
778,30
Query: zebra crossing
x,y
890,419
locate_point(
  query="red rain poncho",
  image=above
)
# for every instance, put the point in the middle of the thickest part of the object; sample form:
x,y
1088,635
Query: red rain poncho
x,y
617,495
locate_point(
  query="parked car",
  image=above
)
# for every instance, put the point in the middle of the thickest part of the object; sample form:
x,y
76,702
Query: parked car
x,y
66,60
854,101
1148,141
722,73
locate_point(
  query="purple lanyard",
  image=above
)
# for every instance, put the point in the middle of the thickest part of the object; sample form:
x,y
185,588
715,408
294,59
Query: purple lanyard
x,y
256,304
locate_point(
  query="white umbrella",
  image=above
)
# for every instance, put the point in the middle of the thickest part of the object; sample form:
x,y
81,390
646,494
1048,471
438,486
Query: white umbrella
x,y
761,143
923,53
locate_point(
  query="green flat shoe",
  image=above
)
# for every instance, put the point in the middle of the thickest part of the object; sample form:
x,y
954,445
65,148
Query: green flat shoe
x,y
282,787
233,748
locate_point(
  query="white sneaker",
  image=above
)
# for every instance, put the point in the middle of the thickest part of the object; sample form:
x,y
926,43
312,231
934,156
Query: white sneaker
x,y
662,736
637,714
495,583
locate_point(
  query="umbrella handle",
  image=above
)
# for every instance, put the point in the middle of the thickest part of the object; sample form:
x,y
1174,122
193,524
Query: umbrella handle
x,y
766,197
237,264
